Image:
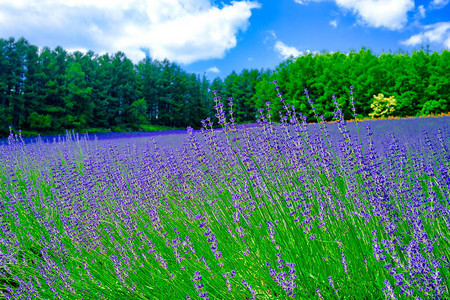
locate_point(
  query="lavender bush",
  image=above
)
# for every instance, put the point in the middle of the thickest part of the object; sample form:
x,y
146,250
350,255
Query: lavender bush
x,y
271,212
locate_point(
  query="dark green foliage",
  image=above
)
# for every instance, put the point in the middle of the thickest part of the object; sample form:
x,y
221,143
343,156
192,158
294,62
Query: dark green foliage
x,y
138,112
242,89
50,91
77,103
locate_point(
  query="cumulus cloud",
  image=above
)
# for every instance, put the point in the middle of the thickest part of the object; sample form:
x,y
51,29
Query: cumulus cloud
x,y
333,23
287,51
377,13
184,31
80,49
380,13
421,11
436,33
437,4
213,70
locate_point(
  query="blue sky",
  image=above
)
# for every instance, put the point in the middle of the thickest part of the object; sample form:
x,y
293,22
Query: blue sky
x,y
217,37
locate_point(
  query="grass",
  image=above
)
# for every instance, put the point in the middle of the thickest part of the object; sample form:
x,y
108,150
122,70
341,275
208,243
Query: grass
x,y
274,212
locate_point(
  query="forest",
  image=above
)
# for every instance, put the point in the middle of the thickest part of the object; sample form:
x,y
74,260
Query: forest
x,y
49,91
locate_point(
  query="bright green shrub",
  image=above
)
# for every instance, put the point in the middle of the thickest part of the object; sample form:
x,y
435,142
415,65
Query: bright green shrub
x,y
433,106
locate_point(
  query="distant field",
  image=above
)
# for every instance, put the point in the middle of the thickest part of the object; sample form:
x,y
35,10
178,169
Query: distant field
x,y
174,138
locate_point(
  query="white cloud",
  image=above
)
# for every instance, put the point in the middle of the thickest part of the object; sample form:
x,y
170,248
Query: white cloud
x,y
437,4
414,40
270,36
310,52
436,33
287,51
377,13
333,23
180,30
213,70
304,2
81,49
380,13
421,11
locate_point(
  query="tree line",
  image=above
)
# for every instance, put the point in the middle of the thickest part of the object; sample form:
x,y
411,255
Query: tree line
x,y
51,90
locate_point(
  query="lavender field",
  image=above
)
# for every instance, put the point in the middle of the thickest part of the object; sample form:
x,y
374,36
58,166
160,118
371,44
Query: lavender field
x,y
270,211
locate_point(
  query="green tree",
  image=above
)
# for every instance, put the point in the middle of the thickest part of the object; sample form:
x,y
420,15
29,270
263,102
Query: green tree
x,y
95,78
54,67
101,93
216,85
438,87
148,73
77,103
34,93
195,110
15,77
122,90
206,101
138,113
4,88
265,92
40,122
